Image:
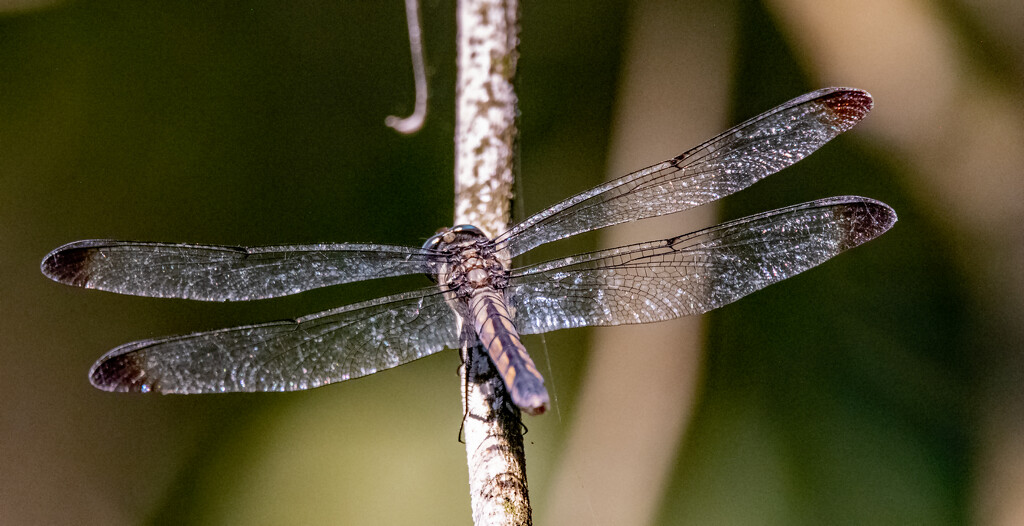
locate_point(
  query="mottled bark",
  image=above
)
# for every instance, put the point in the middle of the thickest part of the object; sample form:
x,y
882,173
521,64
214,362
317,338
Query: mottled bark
x,y
484,145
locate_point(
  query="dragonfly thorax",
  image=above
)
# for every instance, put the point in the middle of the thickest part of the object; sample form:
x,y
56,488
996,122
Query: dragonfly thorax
x,y
471,265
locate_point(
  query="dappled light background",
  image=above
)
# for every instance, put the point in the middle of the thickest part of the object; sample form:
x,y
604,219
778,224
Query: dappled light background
x,y
884,387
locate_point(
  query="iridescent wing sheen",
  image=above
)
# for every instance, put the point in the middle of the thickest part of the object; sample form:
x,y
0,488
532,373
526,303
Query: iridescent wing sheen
x,y
225,273
639,283
315,350
721,166
693,273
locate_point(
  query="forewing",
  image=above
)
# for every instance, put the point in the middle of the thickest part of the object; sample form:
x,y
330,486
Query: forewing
x,y
224,273
315,350
694,273
721,166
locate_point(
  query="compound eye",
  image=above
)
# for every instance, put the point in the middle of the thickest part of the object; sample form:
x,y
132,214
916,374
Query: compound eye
x,y
433,242
470,229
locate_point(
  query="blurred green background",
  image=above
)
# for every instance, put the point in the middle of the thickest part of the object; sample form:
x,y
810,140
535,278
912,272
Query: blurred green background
x,y
881,388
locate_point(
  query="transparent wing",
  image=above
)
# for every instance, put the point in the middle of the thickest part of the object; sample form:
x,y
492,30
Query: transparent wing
x,y
693,273
224,273
315,350
721,166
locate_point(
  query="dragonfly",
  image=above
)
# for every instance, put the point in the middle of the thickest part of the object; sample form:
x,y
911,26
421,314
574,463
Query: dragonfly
x,y
477,298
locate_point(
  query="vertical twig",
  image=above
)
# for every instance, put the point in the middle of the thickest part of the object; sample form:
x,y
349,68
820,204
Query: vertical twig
x,y
485,133
485,112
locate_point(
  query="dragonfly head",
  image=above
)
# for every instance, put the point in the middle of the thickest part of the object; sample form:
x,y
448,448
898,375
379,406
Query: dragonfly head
x,y
457,235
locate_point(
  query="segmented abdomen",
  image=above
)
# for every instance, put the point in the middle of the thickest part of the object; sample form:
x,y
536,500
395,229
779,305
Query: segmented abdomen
x,y
498,334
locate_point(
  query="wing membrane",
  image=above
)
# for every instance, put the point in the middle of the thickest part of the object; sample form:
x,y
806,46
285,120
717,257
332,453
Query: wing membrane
x,y
224,273
721,166
693,273
315,350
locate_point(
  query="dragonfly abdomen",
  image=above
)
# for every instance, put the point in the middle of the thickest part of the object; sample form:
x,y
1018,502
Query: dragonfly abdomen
x,y
498,334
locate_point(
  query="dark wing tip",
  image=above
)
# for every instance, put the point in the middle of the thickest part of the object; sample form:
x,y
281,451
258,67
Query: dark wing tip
x,y
69,264
865,219
64,264
848,105
122,370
